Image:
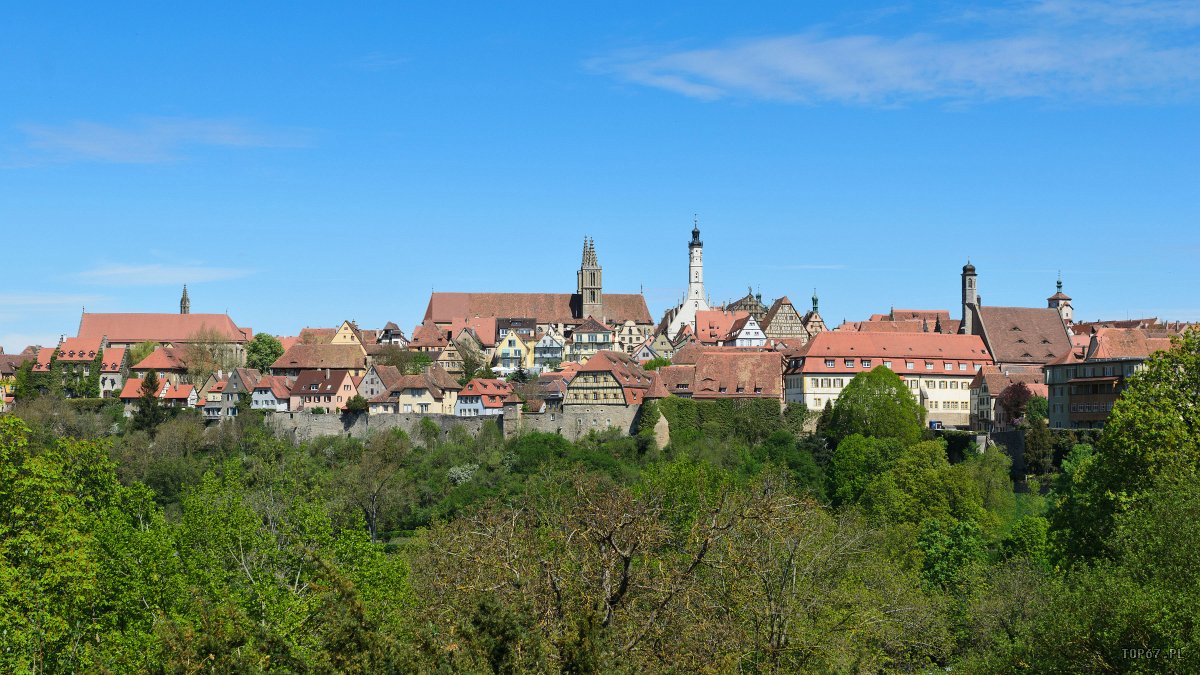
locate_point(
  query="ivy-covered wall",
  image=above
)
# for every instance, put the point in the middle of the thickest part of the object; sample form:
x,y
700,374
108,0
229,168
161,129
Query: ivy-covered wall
x,y
749,419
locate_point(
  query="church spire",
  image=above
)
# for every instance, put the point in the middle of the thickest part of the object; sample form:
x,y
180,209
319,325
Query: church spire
x,y
185,304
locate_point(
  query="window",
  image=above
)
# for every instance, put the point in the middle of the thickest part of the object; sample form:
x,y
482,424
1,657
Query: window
x,y
949,366
829,363
908,365
866,363
942,385
407,407
887,364
816,382
826,382
837,383
962,366
929,365
849,363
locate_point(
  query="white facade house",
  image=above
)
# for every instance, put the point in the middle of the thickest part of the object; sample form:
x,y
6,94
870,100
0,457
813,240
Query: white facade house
x,y
746,333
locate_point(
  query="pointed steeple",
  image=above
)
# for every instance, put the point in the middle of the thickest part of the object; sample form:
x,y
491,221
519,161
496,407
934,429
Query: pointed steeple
x,y
185,304
814,299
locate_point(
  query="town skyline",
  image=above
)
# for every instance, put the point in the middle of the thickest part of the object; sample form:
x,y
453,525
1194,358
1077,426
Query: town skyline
x,y
866,152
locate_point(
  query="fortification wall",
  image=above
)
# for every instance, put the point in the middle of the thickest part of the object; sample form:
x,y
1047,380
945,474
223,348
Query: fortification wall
x,y
301,426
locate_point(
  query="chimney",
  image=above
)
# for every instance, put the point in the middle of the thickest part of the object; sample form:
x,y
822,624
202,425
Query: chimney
x,y
327,373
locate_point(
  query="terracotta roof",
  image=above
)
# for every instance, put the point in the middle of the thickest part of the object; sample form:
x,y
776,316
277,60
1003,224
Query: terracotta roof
x,y
591,325
1124,343
131,328
177,392
248,376
42,365
316,336
545,307
163,359
930,315
633,380
1023,334
428,335
387,375
998,380
287,341
277,384
726,372
311,357
112,360
76,350
308,379
713,326
936,348
132,388
491,393
483,328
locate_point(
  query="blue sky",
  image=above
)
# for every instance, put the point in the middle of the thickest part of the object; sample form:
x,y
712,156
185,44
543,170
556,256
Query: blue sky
x,y
301,165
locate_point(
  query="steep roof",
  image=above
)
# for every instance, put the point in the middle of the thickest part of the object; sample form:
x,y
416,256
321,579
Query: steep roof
x,y
634,381
113,358
428,335
1023,334
11,363
162,359
309,357
388,375
307,380
714,325
591,325
491,393
545,307
276,384
775,309
42,365
131,327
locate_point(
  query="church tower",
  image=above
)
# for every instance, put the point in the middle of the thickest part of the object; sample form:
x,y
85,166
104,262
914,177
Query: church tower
x,y
970,298
185,304
590,289
1062,302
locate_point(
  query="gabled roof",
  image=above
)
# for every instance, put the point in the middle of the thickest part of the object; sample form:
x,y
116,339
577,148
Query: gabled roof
x,y
774,310
591,325
634,381
387,375
277,384
113,359
491,392
310,357
714,326
248,376
11,363
131,328
308,379
1023,334
163,359
545,307
1124,343
428,335
42,365
998,380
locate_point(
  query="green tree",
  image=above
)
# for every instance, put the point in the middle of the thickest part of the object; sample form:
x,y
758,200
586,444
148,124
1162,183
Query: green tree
x,y
857,461
1038,408
656,363
876,404
1152,435
206,352
357,405
262,351
1013,400
1039,446
407,361
150,412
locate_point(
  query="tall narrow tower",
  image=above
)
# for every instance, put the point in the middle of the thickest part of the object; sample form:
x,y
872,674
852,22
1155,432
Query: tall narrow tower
x,y
695,299
590,287
1062,302
185,304
695,266
970,298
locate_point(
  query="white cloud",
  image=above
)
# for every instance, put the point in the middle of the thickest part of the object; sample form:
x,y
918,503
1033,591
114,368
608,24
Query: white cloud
x,y
145,141
34,300
157,274
1055,50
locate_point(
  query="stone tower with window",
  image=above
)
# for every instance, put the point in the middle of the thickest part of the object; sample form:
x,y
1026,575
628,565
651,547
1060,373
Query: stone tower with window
x,y
590,289
185,305
970,298
1062,302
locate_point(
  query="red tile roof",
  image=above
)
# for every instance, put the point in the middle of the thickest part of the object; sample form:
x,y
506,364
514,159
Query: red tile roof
x,y
277,384
307,380
545,307
163,359
713,325
77,350
1024,334
491,392
634,381
132,328
726,372
114,357
998,380
896,347
1124,343
318,356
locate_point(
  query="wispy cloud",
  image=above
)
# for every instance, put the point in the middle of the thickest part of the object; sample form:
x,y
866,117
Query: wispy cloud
x,y
145,141
812,266
157,274
1052,50
379,61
